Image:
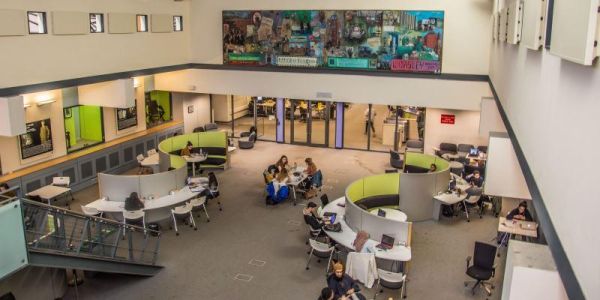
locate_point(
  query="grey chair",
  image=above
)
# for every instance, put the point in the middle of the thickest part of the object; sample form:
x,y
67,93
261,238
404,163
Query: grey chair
x,y
246,140
414,146
211,126
396,160
482,149
464,149
446,148
199,129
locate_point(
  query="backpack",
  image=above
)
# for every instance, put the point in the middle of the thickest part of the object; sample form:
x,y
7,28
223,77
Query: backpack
x,y
282,194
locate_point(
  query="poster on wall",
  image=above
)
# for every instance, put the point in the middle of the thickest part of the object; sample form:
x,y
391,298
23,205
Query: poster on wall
x,y
401,41
126,117
37,139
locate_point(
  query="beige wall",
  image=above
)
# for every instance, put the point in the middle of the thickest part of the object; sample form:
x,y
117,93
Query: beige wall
x,y
44,58
465,130
464,95
110,116
10,153
466,37
553,107
200,115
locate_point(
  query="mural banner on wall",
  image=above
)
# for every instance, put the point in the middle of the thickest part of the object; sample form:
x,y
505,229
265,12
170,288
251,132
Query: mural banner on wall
x,y
402,41
37,139
126,117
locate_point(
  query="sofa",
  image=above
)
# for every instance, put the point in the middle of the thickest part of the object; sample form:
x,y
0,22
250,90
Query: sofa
x,y
446,148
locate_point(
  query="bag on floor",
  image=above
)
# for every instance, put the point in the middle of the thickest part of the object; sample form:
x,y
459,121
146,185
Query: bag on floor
x,y
282,194
447,211
311,193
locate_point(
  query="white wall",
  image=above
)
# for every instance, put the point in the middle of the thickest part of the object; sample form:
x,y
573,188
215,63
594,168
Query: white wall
x,y
47,57
221,105
201,110
465,95
553,107
465,130
466,37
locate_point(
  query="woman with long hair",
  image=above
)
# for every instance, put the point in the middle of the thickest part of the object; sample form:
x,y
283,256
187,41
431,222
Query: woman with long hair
x,y
283,163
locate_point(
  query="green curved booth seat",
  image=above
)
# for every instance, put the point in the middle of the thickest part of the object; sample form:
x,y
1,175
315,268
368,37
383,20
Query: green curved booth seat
x,y
375,191
213,142
420,162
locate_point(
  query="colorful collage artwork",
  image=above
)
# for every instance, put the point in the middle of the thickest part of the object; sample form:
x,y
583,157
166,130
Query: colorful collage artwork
x,y
402,41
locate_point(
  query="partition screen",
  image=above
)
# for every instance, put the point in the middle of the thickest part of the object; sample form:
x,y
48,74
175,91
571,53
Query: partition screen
x,y
84,127
402,41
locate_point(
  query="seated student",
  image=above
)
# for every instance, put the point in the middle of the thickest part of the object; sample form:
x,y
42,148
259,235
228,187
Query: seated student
x,y
133,202
310,217
475,178
281,179
187,151
327,294
342,284
283,163
432,168
4,190
311,170
520,213
270,173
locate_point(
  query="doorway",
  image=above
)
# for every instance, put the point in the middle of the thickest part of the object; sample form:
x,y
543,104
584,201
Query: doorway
x,y
309,122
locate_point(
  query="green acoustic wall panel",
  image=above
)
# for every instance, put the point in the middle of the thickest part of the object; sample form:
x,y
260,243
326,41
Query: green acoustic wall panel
x,y
384,184
13,253
91,122
425,160
355,191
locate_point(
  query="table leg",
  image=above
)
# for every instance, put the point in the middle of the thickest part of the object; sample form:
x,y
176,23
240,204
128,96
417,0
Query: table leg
x,y
193,169
294,193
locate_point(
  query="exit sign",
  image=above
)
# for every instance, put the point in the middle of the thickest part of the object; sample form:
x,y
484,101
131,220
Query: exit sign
x,y
448,119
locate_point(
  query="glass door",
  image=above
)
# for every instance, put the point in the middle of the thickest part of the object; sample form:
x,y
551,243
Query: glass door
x,y
309,122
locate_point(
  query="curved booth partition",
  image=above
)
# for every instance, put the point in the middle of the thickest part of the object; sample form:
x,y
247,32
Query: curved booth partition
x,y
417,189
213,142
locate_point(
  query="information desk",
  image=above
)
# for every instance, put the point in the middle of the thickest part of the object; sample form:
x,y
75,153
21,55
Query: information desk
x,y
347,236
156,209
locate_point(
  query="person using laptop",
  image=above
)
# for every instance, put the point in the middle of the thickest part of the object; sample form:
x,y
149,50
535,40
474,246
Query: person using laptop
x,y
310,217
342,284
327,294
475,179
520,213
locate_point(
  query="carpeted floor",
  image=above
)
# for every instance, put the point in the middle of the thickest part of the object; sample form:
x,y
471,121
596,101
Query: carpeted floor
x,y
204,264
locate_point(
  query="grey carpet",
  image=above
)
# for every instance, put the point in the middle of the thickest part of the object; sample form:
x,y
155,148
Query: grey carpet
x,y
203,264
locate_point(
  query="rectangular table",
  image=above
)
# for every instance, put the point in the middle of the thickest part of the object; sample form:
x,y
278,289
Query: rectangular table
x,y
50,192
510,227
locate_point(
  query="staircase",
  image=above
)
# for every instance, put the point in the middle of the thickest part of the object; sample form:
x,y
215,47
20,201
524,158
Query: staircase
x,y
59,238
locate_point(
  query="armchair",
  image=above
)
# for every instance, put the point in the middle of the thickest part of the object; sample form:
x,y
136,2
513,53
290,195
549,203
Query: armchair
x,y
464,149
246,140
414,146
396,160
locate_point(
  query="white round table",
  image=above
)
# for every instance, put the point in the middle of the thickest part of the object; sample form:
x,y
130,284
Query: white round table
x,y
193,159
391,213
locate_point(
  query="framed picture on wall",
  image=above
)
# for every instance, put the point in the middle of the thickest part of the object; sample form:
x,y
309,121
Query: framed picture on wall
x,y
190,109
126,117
37,139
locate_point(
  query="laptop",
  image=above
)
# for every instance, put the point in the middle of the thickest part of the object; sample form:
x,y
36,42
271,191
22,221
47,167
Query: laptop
x,y
381,213
474,152
331,215
324,200
387,242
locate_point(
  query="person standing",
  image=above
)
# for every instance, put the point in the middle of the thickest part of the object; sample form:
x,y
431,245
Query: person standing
x,y
369,121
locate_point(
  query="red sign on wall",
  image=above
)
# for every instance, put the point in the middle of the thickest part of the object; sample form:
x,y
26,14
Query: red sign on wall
x,y
448,119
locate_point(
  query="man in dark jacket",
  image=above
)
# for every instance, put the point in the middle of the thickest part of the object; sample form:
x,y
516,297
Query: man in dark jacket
x,y
520,213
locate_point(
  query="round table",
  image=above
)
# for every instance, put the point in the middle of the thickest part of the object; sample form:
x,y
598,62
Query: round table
x,y
193,159
391,213
456,167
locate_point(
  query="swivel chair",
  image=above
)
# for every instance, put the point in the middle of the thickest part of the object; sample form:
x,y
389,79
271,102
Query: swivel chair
x,y
483,267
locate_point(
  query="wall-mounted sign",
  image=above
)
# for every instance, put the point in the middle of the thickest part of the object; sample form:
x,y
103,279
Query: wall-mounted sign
x,y
365,39
296,61
37,139
417,66
126,117
448,119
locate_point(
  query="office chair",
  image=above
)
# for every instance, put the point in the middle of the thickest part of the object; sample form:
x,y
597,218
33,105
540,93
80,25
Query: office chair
x,y
391,280
324,200
200,202
320,250
213,189
483,267
183,210
469,202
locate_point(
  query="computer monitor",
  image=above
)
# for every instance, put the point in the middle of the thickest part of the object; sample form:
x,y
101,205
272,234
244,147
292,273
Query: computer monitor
x,y
474,152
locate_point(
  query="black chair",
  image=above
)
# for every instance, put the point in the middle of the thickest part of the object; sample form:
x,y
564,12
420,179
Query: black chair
x,y
482,149
213,189
483,267
199,129
324,200
446,148
396,160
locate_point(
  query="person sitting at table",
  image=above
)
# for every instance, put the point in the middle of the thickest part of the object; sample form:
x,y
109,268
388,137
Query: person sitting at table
x,y
283,163
187,150
432,168
4,190
310,217
327,294
281,179
475,178
520,213
342,284
133,202
311,170
270,173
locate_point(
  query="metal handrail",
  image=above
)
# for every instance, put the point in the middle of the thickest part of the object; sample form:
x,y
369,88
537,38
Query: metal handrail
x,y
82,216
